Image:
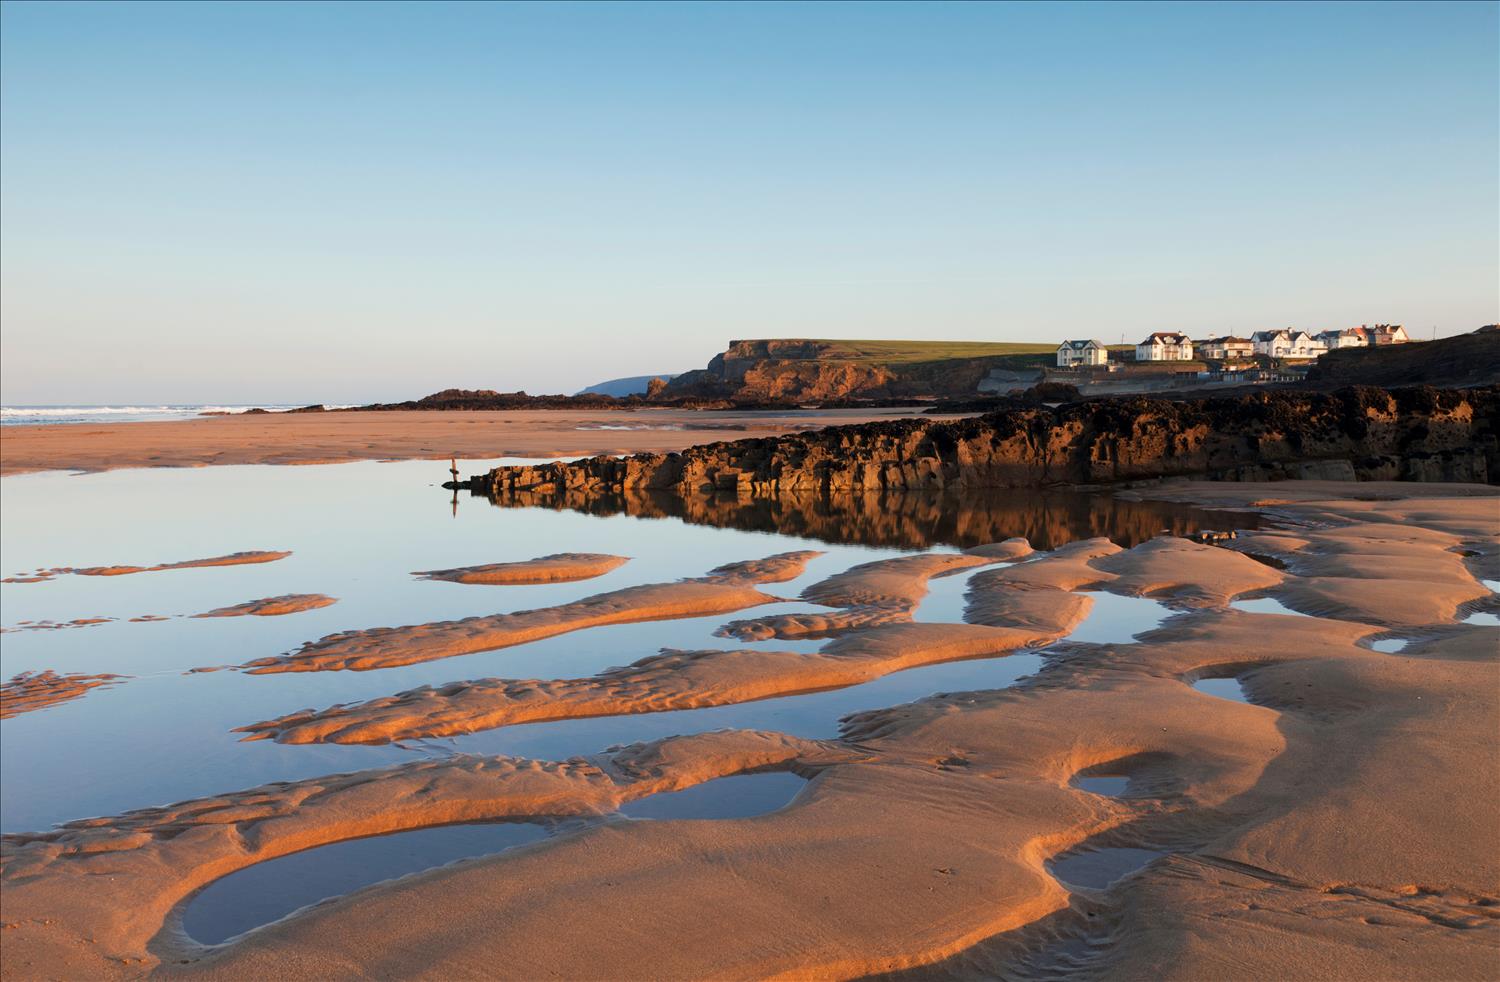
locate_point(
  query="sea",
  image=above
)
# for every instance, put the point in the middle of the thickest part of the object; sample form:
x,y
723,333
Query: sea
x,y
54,415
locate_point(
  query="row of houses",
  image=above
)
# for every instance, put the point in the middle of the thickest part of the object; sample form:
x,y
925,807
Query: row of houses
x,y
1284,343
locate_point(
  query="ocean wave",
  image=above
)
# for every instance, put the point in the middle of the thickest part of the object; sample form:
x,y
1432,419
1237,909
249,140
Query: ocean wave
x,y
14,415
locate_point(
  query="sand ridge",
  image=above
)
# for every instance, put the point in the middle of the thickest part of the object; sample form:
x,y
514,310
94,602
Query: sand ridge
x,y
557,568
232,559
671,680
879,598
885,591
722,591
27,692
289,603
1342,820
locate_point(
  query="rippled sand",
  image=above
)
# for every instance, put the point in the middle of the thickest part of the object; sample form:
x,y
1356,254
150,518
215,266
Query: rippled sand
x,y
1339,823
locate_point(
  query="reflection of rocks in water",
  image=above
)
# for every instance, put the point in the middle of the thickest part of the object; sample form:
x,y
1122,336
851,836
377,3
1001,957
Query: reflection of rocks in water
x,y
907,520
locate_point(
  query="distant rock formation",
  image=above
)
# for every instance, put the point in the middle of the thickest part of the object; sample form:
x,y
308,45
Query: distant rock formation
x,y
806,370
634,385
1360,433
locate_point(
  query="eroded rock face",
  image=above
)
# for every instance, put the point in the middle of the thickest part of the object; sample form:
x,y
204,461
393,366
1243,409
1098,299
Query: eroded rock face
x,y
1357,433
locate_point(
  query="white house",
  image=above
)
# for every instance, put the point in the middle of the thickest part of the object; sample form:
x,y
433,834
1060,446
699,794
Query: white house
x,y
1353,337
1165,346
1225,348
1073,353
1287,343
1382,334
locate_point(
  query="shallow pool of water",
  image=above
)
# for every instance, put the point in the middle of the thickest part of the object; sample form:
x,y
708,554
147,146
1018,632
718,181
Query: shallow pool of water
x,y
356,531
1110,787
1098,868
1230,689
1265,605
739,796
1115,619
266,892
260,894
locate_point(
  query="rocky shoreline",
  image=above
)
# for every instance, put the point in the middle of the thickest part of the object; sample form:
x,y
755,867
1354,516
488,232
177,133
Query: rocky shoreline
x,y
1356,433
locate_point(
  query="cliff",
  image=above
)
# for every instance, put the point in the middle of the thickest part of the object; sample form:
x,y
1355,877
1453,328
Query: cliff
x,y
1355,433
811,370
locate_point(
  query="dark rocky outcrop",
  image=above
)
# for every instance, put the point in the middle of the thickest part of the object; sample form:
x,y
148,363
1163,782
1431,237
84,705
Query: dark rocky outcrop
x,y
1355,433
1464,360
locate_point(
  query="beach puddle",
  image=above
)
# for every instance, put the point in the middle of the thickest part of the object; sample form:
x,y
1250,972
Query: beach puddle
x,y
356,531
944,603
739,796
1109,787
268,891
1265,605
1114,619
1482,617
1097,869
1390,646
1230,689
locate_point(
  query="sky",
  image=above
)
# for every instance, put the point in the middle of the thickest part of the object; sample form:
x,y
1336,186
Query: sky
x,y
273,202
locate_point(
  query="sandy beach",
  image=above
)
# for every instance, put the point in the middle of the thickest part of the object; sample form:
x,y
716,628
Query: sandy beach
x,y
336,437
1329,815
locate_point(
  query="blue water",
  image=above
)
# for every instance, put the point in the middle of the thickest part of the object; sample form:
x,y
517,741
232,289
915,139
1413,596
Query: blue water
x,y
356,532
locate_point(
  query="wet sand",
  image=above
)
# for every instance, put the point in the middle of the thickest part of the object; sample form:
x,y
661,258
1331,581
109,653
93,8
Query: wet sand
x,y
338,437
289,603
559,568
253,557
723,590
30,691
1340,823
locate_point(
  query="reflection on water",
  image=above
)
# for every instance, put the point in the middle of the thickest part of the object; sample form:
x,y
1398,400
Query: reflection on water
x,y
355,532
1111,787
909,520
1097,868
1230,689
260,894
740,796
1265,605
266,892
1114,619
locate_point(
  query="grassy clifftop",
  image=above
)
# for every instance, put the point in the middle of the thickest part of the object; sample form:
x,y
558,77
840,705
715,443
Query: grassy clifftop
x,y
900,352
795,369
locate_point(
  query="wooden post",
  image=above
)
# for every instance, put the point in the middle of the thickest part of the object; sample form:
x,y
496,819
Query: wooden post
x,y
453,468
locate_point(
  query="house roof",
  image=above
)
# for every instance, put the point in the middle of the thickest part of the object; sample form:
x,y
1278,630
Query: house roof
x,y
1082,345
1169,337
1226,339
1268,335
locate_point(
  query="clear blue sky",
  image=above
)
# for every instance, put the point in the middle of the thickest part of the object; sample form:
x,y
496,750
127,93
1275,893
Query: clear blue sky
x,y
339,202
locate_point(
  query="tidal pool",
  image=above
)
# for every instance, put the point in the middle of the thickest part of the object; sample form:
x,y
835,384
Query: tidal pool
x,y
1096,869
268,891
356,532
1230,689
